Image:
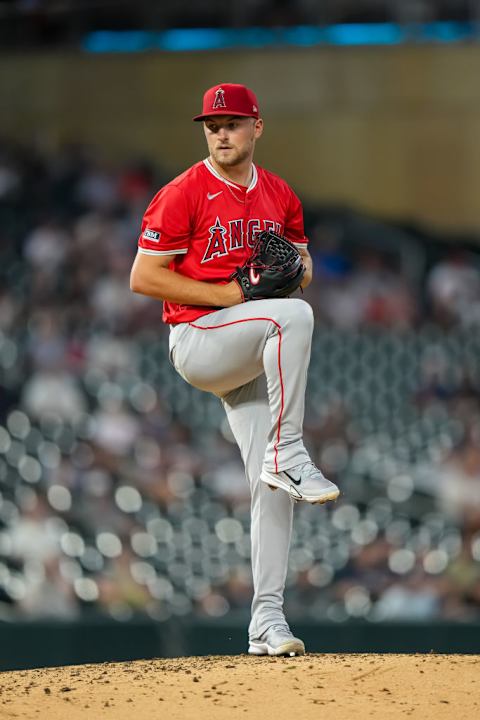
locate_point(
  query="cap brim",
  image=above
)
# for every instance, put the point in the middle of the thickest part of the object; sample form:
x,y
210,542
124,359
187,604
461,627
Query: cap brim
x,y
198,118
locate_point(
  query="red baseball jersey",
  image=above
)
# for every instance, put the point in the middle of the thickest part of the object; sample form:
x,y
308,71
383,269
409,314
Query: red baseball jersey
x,y
209,224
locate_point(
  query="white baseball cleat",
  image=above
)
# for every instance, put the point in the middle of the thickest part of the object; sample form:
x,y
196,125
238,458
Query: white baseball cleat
x,y
302,482
277,640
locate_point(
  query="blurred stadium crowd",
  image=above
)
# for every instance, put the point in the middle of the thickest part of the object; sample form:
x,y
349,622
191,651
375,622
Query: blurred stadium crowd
x,y
27,23
121,490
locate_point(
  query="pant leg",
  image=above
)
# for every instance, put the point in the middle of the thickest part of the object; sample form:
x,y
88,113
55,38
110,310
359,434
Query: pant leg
x,y
227,352
249,417
229,348
286,361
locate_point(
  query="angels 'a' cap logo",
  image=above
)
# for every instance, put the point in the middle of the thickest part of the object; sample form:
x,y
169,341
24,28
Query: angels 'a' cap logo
x,y
219,101
229,99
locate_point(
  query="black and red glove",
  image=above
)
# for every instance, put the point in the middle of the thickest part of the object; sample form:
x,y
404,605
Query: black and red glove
x,y
274,270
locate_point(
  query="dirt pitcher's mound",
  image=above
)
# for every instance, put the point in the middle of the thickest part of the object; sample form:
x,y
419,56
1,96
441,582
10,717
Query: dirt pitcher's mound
x,y
228,688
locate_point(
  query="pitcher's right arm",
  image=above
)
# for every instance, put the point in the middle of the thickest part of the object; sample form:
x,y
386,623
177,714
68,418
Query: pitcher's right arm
x,y
151,276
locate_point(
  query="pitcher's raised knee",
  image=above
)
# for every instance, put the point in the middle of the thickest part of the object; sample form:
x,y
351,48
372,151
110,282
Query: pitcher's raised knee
x,y
295,311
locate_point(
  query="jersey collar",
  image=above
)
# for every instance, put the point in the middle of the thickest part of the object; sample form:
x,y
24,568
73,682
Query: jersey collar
x,y
211,169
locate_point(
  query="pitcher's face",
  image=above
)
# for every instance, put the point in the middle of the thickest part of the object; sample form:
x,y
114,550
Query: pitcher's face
x,y
231,139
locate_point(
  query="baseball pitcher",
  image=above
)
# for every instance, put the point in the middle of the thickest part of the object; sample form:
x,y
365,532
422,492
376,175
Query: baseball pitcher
x,y
223,246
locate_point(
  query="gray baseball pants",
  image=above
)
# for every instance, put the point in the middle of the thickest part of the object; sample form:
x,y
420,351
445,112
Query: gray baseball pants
x,y
255,358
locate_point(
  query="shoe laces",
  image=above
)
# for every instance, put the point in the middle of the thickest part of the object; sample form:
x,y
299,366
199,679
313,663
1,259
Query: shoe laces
x,y
281,627
310,466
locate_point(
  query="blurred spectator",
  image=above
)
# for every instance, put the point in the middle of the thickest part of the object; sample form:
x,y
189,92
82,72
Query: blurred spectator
x,y
46,247
53,392
47,593
458,479
47,342
413,599
116,430
371,294
453,287
434,383
98,188
463,577
32,535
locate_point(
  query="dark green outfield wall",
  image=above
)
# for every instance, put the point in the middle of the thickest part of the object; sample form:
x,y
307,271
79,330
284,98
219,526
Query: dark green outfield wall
x,y
38,644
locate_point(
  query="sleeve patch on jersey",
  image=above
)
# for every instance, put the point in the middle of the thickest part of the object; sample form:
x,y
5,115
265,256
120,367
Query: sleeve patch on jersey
x,y
152,235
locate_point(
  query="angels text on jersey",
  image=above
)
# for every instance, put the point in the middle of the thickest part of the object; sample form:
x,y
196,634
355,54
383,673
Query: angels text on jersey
x,y
233,235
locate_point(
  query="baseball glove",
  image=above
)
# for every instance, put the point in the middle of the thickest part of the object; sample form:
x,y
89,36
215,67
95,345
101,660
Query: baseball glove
x,y
274,270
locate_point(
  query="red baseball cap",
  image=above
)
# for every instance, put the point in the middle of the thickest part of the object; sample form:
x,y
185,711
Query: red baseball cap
x,y
229,99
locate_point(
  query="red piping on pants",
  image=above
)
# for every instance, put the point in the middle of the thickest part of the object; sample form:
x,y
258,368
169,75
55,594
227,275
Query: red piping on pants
x,y
282,392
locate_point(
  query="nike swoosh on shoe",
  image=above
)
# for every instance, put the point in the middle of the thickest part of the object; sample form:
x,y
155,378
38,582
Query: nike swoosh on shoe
x,y
296,482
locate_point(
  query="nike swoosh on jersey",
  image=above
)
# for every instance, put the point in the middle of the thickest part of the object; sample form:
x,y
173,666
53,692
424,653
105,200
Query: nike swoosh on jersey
x,y
210,196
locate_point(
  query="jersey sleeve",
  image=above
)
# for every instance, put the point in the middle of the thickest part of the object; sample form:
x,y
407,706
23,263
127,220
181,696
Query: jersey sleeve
x,y
294,228
166,224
